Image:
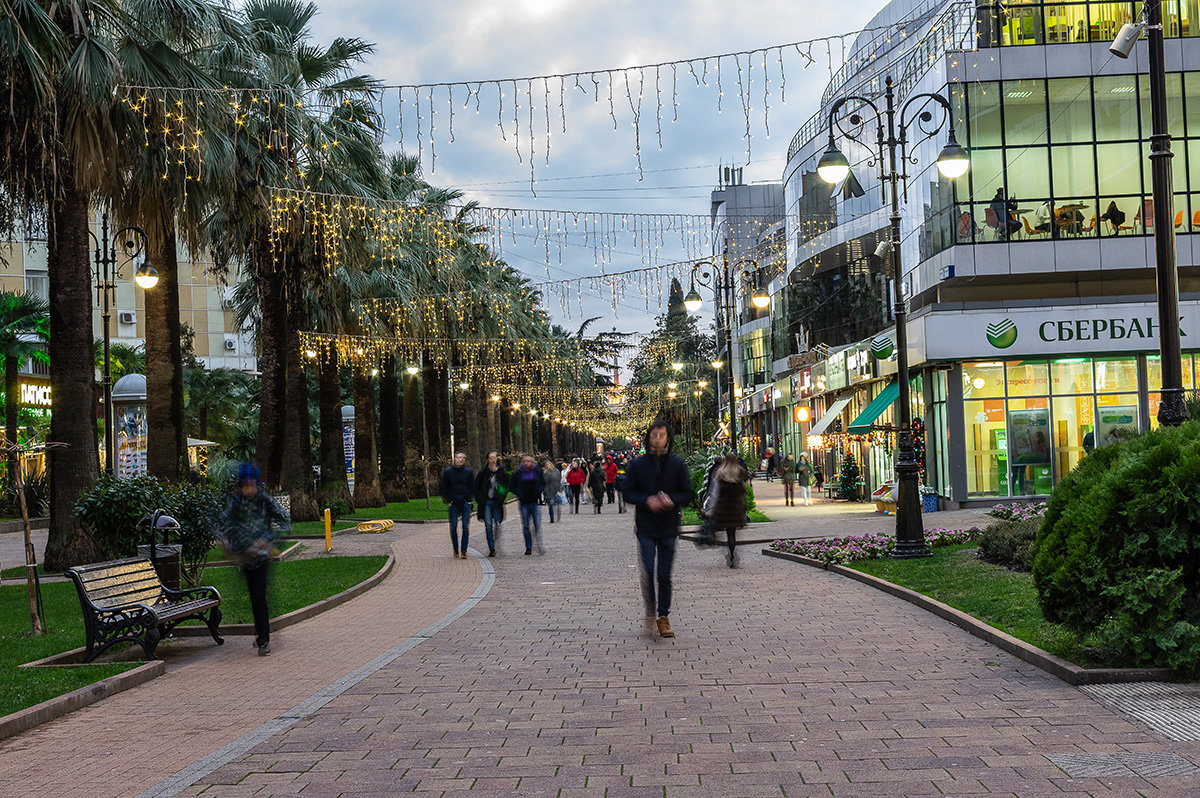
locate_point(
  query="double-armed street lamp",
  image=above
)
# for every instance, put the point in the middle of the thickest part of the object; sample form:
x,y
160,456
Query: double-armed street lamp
x,y
1172,407
135,241
953,162
718,275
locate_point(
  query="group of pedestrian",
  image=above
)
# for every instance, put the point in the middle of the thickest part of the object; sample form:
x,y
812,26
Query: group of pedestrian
x,y
601,480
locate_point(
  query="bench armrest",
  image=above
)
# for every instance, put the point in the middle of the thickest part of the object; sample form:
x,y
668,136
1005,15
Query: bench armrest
x,y
204,591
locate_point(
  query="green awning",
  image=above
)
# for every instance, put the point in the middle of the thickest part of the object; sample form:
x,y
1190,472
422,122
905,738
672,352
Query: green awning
x,y
862,424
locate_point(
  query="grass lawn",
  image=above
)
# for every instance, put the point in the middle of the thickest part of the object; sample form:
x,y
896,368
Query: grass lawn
x,y
413,510
293,585
690,517
1001,598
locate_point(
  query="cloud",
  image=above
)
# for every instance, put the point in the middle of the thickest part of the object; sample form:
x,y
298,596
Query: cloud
x,y
471,40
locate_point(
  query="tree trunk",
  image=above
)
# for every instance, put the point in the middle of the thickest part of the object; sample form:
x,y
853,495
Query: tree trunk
x,y
297,474
333,452
12,410
166,444
367,492
413,432
391,434
76,466
492,429
272,365
505,414
433,389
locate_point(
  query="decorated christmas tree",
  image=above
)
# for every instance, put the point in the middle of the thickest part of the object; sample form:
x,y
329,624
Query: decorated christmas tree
x,y
848,478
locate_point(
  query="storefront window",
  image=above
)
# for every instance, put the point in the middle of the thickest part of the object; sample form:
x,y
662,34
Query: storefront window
x,y
1074,431
1030,468
1116,116
1154,372
1071,375
1028,378
986,444
1116,375
983,379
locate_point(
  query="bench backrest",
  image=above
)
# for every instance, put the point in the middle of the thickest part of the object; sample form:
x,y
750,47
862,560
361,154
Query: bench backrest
x,y
119,583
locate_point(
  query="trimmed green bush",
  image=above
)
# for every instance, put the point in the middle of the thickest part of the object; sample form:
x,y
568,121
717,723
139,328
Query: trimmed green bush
x,y
1010,543
1118,551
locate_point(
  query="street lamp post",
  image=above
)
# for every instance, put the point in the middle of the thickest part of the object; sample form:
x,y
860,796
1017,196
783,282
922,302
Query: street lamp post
x,y
1172,408
719,277
107,273
952,163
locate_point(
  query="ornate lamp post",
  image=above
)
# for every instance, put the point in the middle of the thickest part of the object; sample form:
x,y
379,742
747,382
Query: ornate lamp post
x,y
719,277
952,163
107,273
1172,408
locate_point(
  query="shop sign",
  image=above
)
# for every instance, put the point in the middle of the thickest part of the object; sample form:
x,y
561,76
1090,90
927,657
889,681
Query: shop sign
x,y
35,394
858,363
802,384
1023,332
801,414
835,371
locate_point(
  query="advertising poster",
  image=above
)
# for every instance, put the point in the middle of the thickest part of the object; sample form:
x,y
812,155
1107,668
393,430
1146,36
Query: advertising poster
x,y
1110,419
1029,436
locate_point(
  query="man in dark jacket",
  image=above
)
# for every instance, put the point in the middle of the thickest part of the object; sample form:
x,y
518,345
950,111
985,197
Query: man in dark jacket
x,y
527,485
491,489
657,484
457,489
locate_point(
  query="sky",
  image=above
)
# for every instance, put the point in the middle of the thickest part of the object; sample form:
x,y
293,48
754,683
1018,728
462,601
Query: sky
x,y
591,166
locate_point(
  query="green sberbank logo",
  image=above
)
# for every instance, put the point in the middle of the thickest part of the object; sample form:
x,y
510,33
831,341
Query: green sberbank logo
x,y
882,348
1002,334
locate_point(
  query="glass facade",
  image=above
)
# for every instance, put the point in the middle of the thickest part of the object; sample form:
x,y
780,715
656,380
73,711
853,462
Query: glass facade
x,y
1023,23
1064,157
1028,422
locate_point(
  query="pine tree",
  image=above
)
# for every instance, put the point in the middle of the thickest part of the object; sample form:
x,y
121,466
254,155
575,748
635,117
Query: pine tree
x,y
848,478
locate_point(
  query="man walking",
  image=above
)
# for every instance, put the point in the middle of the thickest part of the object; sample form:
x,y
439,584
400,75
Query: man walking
x,y
457,489
657,484
491,488
610,478
527,485
553,480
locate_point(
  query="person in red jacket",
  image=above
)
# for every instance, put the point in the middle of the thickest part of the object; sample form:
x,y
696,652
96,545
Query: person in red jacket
x,y
576,476
610,478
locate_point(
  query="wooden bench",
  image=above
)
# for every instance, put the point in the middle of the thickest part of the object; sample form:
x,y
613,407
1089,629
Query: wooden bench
x,y
124,601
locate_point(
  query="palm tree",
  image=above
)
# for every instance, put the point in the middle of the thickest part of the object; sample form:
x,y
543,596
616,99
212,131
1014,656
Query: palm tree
x,y
23,334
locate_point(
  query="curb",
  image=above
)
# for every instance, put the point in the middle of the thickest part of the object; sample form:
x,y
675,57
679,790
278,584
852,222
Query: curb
x,y
1055,666
296,616
58,706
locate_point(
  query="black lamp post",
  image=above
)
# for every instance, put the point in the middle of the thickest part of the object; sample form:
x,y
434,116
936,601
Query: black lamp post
x,y
107,274
1172,409
719,277
952,163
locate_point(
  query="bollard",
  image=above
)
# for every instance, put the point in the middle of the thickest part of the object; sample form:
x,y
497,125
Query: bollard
x,y
328,532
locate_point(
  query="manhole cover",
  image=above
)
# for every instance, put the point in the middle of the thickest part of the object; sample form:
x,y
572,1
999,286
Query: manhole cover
x,y
1172,710
1080,766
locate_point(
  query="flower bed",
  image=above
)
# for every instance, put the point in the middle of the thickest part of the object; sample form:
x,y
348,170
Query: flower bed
x,y
840,551
1018,511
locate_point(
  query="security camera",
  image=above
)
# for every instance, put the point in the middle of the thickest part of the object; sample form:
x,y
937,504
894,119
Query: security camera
x,y
1127,36
883,249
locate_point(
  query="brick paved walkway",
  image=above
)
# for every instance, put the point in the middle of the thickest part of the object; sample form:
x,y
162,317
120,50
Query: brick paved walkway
x,y
784,680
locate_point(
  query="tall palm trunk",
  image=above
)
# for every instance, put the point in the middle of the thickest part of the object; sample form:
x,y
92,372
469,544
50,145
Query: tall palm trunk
x,y
367,492
506,430
333,452
166,452
12,410
391,434
433,389
73,468
296,473
413,451
272,365
492,429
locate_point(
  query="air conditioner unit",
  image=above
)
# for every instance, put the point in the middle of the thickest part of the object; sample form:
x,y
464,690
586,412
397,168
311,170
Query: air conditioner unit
x,y
127,317
230,344
227,303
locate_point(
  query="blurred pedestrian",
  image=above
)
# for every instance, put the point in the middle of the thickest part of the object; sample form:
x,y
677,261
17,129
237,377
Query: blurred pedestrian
x,y
527,484
251,523
550,492
458,489
575,479
657,484
610,478
729,512
491,491
804,476
597,484
787,475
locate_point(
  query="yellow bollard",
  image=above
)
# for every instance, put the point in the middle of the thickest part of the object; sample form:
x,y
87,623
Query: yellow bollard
x,y
328,532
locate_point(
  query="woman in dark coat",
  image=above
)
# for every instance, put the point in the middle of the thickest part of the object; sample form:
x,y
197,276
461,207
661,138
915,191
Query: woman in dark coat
x,y
597,483
729,513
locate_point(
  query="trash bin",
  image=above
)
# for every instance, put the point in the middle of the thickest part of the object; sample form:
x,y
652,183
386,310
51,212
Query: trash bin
x,y
167,558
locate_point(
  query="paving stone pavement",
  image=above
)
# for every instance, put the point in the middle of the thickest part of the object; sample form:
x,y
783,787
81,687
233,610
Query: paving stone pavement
x,y
783,680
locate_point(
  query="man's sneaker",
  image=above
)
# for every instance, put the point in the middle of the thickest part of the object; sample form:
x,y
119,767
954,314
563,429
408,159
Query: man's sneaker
x,y
491,552
264,649
664,627
528,552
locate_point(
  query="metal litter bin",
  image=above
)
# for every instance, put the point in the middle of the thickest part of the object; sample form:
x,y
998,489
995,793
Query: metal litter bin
x,y
167,562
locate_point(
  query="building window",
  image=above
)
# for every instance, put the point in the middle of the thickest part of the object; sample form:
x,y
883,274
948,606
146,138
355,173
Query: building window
x,y
38,284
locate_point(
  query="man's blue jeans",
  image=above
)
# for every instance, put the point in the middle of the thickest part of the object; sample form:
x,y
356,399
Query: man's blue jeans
x,y
662,549
531,526
460,510
492,513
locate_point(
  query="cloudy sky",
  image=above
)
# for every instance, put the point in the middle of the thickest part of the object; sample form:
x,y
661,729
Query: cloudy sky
x,y
592,166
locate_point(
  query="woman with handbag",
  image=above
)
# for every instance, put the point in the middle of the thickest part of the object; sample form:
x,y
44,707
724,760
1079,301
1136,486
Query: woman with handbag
x,y
729,512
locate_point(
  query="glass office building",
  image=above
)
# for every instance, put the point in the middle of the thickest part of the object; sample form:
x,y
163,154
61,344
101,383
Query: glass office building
x,y
1032,317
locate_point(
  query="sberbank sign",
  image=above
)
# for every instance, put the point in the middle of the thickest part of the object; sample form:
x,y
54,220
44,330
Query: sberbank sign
x,y
1110,329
